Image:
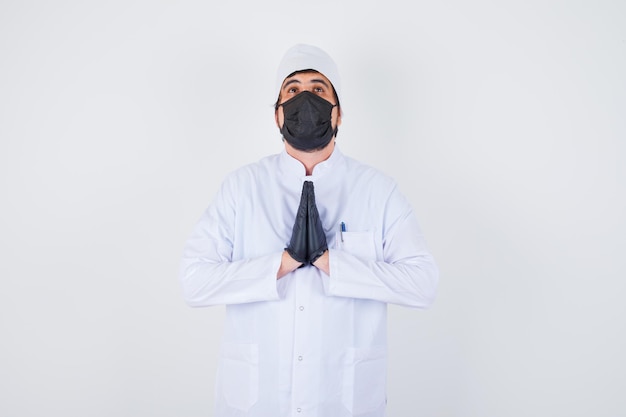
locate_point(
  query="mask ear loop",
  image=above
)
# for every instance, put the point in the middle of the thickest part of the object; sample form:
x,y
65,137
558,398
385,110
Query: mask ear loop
x,y
336,127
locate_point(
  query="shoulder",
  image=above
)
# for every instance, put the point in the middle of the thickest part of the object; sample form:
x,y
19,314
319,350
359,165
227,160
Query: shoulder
x,y
363,172
252,172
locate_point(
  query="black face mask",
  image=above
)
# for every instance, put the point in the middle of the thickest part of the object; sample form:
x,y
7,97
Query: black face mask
x,y
307,125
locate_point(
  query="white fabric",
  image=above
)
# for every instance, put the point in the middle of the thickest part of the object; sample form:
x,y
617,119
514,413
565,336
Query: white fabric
x,y
308,344
302,57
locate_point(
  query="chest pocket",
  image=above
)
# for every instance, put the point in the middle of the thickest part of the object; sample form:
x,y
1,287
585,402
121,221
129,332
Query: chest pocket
x,y
359,244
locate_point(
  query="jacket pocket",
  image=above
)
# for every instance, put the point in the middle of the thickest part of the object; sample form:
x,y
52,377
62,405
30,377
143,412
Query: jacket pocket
x,y
238,375
359,244
365,380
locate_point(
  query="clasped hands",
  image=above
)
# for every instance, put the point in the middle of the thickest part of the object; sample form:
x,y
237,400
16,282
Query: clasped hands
x,y
308,240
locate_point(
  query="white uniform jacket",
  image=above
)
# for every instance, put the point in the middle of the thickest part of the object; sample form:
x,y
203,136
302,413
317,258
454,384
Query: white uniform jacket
x,y
309,344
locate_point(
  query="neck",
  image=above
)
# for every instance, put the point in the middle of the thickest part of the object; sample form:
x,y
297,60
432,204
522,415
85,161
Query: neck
x,y
310,159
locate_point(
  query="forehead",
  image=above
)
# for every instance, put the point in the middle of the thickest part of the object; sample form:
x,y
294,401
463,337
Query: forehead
x,y
308,77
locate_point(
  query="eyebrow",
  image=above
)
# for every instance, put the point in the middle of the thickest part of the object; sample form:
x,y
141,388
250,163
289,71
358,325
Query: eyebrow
x,y
314,80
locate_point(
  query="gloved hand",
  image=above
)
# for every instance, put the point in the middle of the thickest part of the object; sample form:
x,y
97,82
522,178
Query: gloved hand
x,y
297,248
316,238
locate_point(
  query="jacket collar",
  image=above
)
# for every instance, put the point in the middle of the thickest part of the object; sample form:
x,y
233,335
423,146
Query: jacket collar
x,y
291,167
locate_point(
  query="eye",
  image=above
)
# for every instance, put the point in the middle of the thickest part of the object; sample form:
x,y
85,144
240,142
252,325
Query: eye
x,y
292,90
319,89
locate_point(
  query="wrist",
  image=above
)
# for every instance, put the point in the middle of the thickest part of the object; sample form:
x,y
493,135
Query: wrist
x,y
323,263
287,265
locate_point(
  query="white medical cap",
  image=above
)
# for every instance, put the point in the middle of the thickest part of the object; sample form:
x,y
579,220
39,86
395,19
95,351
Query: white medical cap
x,y
303,57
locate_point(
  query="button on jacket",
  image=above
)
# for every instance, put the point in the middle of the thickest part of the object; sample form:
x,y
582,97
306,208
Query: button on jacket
x,y
308,344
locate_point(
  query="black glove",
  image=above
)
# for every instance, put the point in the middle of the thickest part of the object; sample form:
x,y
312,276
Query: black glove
x,y
316,238
297,248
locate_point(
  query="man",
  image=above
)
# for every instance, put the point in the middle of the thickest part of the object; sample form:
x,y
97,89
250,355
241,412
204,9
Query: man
x,y
306,249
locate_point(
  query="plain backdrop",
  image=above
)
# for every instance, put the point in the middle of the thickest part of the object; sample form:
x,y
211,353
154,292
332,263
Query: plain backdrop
x,y
503,122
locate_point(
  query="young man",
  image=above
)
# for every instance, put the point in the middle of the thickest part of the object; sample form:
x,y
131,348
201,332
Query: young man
x,y
306,248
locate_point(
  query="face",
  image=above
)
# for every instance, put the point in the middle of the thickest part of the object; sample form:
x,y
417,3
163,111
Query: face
x,y
313,82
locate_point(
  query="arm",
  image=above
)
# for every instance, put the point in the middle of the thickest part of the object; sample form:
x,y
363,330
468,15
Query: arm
x,y
208,273
406,274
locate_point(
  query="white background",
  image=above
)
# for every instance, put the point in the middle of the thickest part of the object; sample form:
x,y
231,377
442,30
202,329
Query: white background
x,y
503,122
